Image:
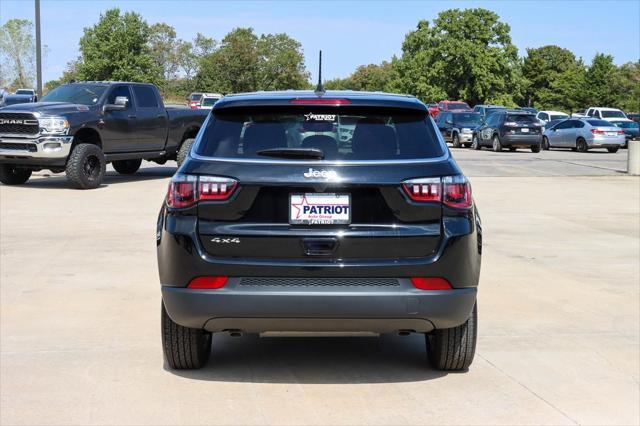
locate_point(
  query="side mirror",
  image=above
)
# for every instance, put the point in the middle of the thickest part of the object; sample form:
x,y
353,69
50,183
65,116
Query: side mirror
x,y
120,104
448,121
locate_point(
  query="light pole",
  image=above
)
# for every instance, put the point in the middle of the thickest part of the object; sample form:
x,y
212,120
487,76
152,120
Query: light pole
x,y
38,52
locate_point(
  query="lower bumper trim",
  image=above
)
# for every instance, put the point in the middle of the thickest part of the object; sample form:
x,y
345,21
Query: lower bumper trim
x,y
259,311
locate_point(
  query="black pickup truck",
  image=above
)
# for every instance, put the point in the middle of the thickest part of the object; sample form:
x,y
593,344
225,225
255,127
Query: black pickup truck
x,y
78,128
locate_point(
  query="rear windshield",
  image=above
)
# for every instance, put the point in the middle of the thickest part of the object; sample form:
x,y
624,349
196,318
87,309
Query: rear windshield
x,y
468,118
24,92
626,124
612,114
558,116
195,97
356,134
599,123
490,111
458,105
209,101
521,118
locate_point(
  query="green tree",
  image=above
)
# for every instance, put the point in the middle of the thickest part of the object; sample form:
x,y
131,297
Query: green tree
x,y
628,87
601,81
117,48
245,62
555,79
17,52
466,54
70,73
164,46
281,63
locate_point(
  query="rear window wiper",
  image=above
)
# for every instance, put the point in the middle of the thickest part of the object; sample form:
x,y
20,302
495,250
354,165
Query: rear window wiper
x,y
295,153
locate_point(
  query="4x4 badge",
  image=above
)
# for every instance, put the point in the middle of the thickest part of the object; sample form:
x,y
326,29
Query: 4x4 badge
x,y
225,240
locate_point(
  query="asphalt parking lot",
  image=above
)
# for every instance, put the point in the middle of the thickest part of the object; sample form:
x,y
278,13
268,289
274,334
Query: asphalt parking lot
x,y
559,312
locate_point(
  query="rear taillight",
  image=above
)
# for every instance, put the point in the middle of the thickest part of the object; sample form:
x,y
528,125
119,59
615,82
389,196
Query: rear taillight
x,y
428,189
208,282
430,283
453,191
187,190
456,192
621,132
597,131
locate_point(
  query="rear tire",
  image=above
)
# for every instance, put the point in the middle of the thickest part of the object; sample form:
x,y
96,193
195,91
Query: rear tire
x,y
183,152
86,166
613,149
452,349
13,175
456,141
512,148
475,143
535,149
127,167
581,145
545,143
495,143
183,347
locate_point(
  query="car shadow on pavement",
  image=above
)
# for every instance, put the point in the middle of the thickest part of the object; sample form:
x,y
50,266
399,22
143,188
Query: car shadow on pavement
x,y
316,360
59,180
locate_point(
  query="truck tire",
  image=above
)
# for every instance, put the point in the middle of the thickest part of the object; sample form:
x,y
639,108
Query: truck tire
x,y
452,349
86,166
184,348
612,149
495,143
456,141
12,175
475,143
127,167
183,152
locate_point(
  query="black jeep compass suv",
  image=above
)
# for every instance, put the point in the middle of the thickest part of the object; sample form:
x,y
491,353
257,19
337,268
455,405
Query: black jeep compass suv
x,y
319,212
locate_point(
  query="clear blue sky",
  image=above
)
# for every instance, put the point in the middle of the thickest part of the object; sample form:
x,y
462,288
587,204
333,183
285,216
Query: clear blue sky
x,y
349,33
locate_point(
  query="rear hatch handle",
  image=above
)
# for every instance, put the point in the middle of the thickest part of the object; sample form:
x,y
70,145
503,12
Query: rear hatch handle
x,y
319,246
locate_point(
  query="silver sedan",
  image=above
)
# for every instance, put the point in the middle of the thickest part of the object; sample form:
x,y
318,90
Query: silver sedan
x,y
583,134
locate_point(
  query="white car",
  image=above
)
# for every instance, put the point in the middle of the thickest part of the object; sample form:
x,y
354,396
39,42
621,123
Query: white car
x,y
208,100
607,113
545,116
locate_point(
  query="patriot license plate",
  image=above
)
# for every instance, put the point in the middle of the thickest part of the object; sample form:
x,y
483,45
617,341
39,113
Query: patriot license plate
x,y
320,209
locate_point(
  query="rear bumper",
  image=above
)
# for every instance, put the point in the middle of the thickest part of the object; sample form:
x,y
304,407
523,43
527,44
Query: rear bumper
x,y
255,310
606,142
508,139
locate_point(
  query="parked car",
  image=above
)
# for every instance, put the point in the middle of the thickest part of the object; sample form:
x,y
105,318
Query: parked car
x,y
487,110
433,109
633,116
194,99
458,126
583,134
511,129
528,109
260,236
208,100
21,96
631,129
80,127
545,116
606,113
452,106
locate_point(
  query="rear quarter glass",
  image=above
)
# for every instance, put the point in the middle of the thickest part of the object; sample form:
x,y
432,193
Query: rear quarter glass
x,y
342,134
